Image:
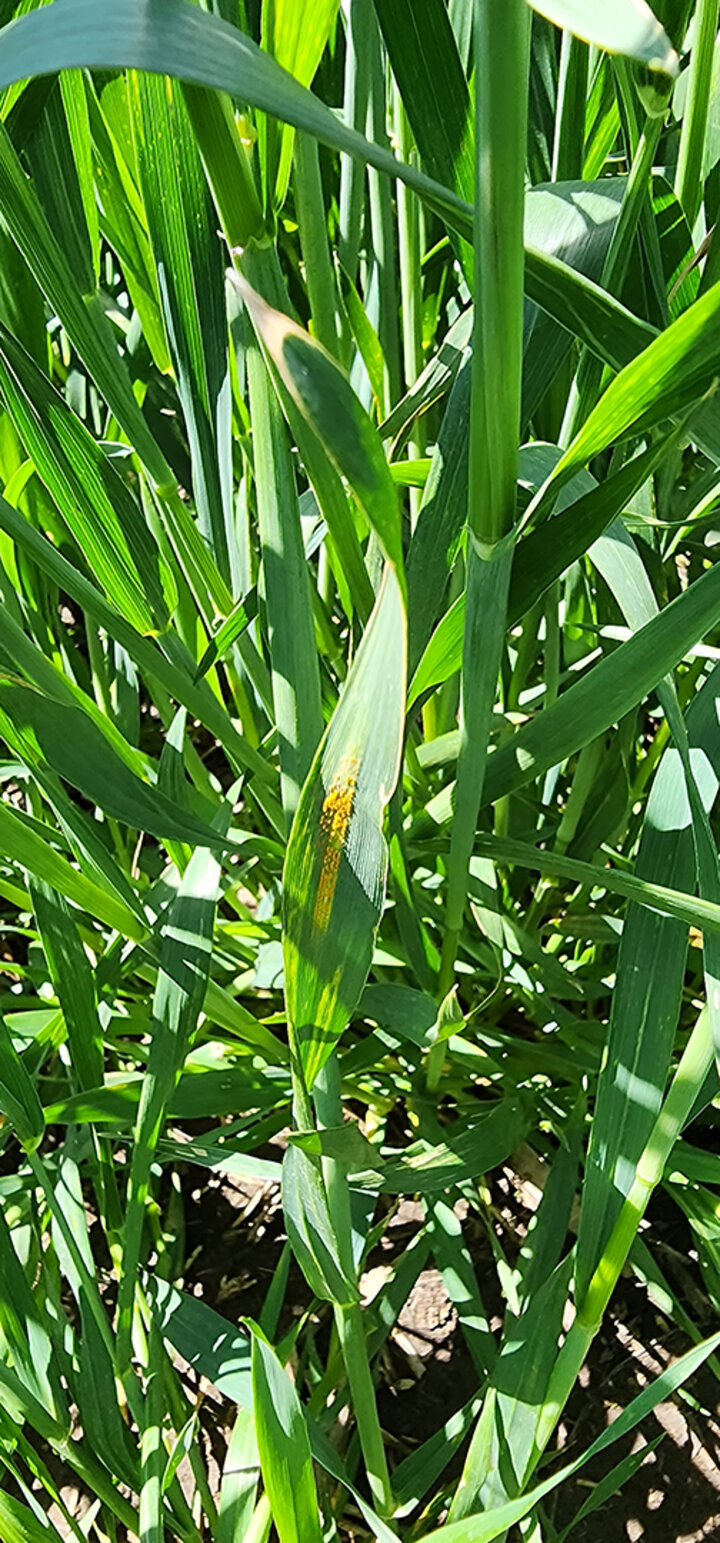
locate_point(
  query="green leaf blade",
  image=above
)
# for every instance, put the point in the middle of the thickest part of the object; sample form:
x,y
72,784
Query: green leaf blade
x,y
336,863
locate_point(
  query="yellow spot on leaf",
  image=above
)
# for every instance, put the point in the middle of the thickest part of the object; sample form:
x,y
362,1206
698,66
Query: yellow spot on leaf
x,y
335,819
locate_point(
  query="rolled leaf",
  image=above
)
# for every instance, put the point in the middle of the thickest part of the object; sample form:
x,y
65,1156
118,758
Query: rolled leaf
x,y
310,1230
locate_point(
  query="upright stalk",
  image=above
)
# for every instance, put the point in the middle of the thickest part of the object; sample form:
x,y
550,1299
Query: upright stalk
x,y
383,282
319,275
501,72
569,147
349,1319
688,177
589,374
409,246
352,172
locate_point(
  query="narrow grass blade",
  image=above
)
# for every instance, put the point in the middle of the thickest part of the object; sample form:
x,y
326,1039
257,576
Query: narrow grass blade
x,y
94,1383
673,844
179,995
173,670
85,322
94,501
238,1491
366,338
688,176
435,95
228,633
486,594
426,1168
310,1230
583,307
669,376
322,281
609,690
67,739
56,174
201,1094
432,382
291,633
568,229
690,1076
284,1448
72,977
541,556
27,1409
569,138
502,1444
75,103
18,1095
22,1322
189,262
197,47
123,220
493,1524
441,517
22,845
453,1259
20,1524
686,907
611,1483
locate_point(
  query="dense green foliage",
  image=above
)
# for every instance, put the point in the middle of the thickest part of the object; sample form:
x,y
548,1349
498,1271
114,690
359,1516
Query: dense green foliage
x,y
359,733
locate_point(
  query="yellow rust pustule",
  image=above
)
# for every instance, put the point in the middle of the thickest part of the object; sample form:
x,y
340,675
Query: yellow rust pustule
x,y
335,817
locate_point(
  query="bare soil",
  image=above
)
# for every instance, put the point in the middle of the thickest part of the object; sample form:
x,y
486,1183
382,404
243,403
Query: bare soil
x,y
234,1238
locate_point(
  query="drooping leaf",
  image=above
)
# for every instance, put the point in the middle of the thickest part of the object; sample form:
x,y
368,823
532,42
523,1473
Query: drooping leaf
x,y
427,1168
622,26
327,401
195,46
24,846
62,736
668,377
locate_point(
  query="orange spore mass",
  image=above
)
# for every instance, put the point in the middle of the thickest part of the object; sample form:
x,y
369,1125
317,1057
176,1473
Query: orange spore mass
x,y
334,822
